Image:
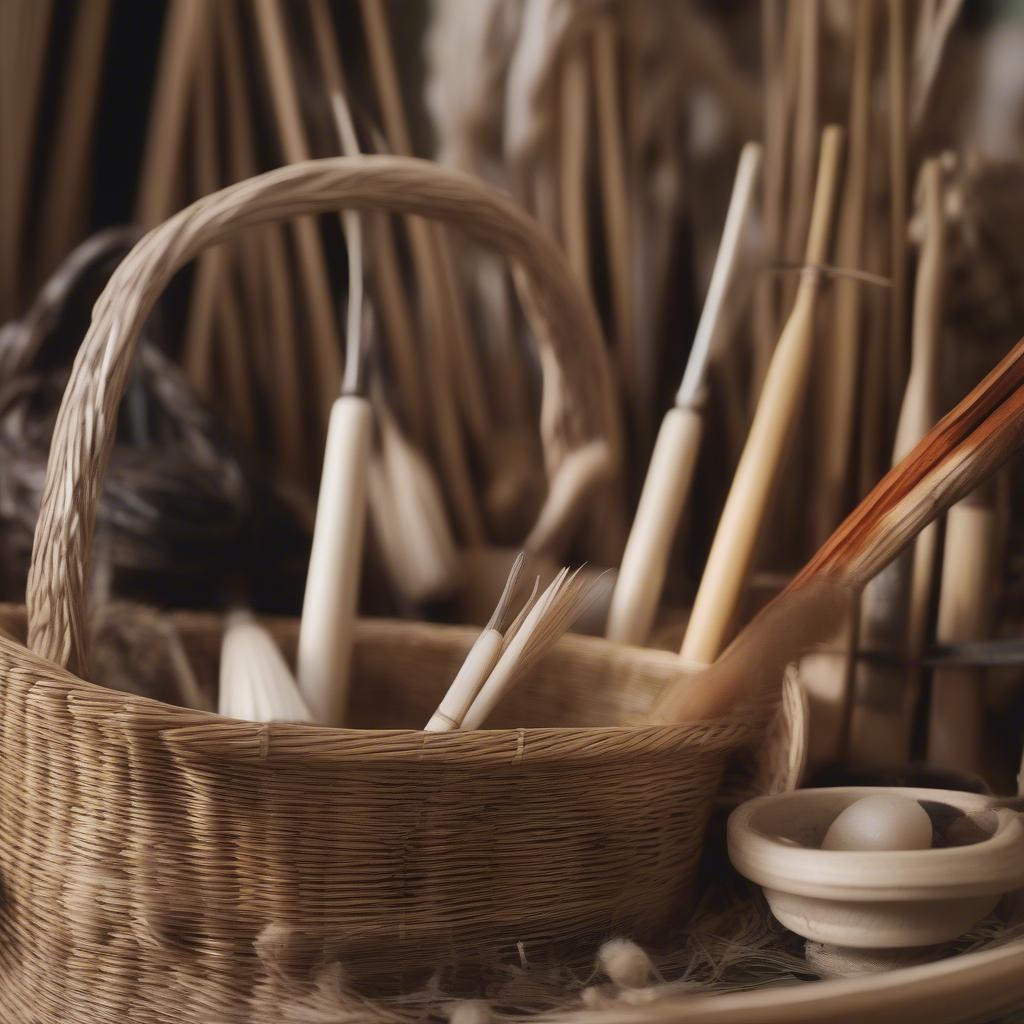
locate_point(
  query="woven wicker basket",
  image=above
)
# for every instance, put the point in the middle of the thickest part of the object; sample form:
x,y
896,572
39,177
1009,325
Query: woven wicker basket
x,y
145,848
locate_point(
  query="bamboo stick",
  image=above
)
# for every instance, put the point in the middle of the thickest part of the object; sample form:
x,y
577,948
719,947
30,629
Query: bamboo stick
x,y
159,181
805,132
841,362
895,606
772,190
27,33
733,547
969,571
442,322
572,163
326,350
961,451
266,275
644,563
617,230
64,210
897,90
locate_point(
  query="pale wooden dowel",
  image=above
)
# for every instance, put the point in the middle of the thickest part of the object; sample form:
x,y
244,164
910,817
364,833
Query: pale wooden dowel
x,y
641,576
666,486
969,572
326,349
733,548
841,357
63,213
161,165
332,582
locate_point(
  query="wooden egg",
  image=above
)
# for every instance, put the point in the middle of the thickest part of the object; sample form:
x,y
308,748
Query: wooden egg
x,y
875,898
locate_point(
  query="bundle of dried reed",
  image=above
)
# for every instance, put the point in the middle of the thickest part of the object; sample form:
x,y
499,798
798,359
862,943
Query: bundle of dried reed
x,y
256,683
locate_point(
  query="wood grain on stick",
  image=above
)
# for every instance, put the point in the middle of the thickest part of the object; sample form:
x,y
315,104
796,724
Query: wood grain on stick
x,y
667,484
739,527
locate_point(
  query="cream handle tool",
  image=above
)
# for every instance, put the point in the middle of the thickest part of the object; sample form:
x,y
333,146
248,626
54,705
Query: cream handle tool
x,y
670,473
332,582
736,537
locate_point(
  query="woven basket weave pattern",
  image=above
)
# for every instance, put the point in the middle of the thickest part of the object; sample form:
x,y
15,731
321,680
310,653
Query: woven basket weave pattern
x,y
147,849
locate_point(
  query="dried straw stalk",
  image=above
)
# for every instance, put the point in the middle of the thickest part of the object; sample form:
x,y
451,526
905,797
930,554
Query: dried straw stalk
x,y
619,243
295,147
841,357
574,114
266,275
451,354
160,172
898,176
895,605
24,35
64,210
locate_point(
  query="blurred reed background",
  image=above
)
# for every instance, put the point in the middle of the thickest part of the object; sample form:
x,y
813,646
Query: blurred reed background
x,y
619,127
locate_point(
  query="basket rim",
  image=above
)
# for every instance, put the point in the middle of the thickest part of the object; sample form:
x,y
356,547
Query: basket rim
x,y
206,735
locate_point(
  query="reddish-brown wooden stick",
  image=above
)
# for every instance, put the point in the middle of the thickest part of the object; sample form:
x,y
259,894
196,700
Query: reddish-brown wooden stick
x,y
963,448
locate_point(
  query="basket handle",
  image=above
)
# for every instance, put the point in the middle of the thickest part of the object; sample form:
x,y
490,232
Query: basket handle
x,y
577,405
